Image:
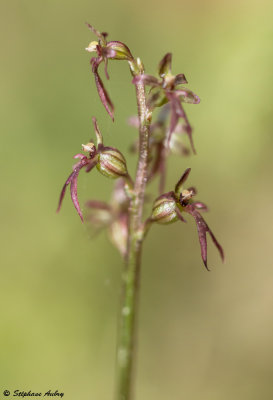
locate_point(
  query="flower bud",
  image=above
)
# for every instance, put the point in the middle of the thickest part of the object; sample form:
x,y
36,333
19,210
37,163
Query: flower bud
x,y
122,52
112,163
164,209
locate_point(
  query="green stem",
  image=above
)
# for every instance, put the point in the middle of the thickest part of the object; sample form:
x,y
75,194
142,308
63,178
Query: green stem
x,y
131,273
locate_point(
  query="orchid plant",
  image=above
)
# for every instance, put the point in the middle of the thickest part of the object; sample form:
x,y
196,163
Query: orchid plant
x,y
123,216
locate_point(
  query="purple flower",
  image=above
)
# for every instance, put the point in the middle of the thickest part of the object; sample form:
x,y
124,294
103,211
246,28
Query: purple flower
x,y
113,216
108,160
170,206
113,50
168,89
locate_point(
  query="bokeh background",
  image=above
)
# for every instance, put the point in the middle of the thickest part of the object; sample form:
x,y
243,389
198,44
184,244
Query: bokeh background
x,y
202,335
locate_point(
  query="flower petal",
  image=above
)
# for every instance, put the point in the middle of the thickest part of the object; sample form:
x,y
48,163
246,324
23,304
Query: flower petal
x,y
72,180
74,192
67,182
182,180
165,65
99,35
105,99
97,131
180,79
121,51
203,229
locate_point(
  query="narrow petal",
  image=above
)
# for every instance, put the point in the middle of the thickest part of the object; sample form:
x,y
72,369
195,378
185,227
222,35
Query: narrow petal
x,y
99,35
72,180
64,190
74,192
165,65
146,80
182,180
97,131
180,79
203,229
105,99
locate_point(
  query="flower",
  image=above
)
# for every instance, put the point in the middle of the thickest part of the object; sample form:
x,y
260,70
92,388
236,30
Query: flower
x,y
108,160
169,207
113,216
113,50
168,89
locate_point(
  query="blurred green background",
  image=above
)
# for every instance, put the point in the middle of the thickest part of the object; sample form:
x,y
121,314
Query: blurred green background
x,y
201,335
